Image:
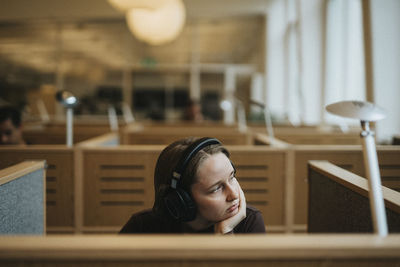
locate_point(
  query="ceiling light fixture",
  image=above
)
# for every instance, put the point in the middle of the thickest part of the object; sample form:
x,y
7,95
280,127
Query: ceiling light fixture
x,y
155,22
157,26
124,5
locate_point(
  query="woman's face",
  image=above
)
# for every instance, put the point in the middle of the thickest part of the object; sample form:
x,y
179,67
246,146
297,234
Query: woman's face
x,y
216,191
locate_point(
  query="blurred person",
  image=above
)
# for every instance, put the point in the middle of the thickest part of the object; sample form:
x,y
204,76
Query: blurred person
x,y
193,111
10,126
196,191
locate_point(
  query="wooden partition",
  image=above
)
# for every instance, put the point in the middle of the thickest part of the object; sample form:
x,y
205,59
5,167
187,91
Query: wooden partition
x,y
261,173
187,124
339,201
319,138
154,135
201,250
118,181
313,135
23,198
389,165
92,188
347,157
59,180
56,134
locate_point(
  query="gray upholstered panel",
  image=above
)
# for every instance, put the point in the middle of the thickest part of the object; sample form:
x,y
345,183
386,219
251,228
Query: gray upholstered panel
x,y
21,205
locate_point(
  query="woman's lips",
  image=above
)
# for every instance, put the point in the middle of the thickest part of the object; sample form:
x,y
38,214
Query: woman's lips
x,y
233,207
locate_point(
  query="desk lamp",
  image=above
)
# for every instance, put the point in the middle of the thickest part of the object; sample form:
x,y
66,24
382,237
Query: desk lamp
x,y
241,113
127,113
69,101
267,118
367,112
113,118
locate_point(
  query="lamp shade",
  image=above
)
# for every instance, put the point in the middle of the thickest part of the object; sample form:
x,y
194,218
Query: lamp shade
x,y
364,111
66,98
157,26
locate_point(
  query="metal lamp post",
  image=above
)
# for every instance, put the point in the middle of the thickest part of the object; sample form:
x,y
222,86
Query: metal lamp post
x,y
267,118
367,112
69,101
241,113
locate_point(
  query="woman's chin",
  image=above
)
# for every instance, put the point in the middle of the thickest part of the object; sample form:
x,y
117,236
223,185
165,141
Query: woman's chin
x,y
232,212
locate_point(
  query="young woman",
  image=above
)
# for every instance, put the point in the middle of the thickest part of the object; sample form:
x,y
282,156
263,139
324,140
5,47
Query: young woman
x,y
196,192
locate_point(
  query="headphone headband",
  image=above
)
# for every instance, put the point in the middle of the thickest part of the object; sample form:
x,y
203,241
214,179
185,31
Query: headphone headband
x,y
188,154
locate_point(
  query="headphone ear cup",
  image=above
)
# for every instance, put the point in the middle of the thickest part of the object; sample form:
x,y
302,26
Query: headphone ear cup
x,y
180,205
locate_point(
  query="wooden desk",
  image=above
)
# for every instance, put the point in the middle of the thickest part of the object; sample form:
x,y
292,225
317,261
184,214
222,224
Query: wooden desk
x,y
201,250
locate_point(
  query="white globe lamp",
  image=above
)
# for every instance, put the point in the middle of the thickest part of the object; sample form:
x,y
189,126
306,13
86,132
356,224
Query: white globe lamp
x,y
157,26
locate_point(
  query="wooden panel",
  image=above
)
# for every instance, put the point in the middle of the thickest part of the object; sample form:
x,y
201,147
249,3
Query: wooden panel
x,y
59,179
159,139
202,250
261,174
117,183
389,165
315,138
164,135
348,158
339,201
52,135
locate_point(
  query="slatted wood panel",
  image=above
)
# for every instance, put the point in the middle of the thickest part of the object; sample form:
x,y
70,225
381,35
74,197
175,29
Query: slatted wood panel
x,y
117,183
389,165
261,174
59,181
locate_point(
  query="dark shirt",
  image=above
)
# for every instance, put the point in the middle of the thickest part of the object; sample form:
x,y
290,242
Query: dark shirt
x,y
148,222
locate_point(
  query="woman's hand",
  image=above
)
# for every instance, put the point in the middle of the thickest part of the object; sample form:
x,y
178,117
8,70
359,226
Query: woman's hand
x,y
226,226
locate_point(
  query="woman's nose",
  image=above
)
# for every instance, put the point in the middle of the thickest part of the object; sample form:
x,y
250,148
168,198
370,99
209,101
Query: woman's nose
x,y
232,192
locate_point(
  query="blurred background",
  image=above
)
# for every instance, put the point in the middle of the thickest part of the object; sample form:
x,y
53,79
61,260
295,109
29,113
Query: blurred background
x,y
295,56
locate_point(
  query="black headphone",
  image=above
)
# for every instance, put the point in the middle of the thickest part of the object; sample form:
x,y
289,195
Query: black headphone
x,y
178,202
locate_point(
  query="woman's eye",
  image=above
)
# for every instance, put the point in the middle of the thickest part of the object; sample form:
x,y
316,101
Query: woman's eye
x,y
216,189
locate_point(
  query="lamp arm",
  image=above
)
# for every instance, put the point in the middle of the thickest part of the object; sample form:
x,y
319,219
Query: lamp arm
x,y
377,205
70,125
268,124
